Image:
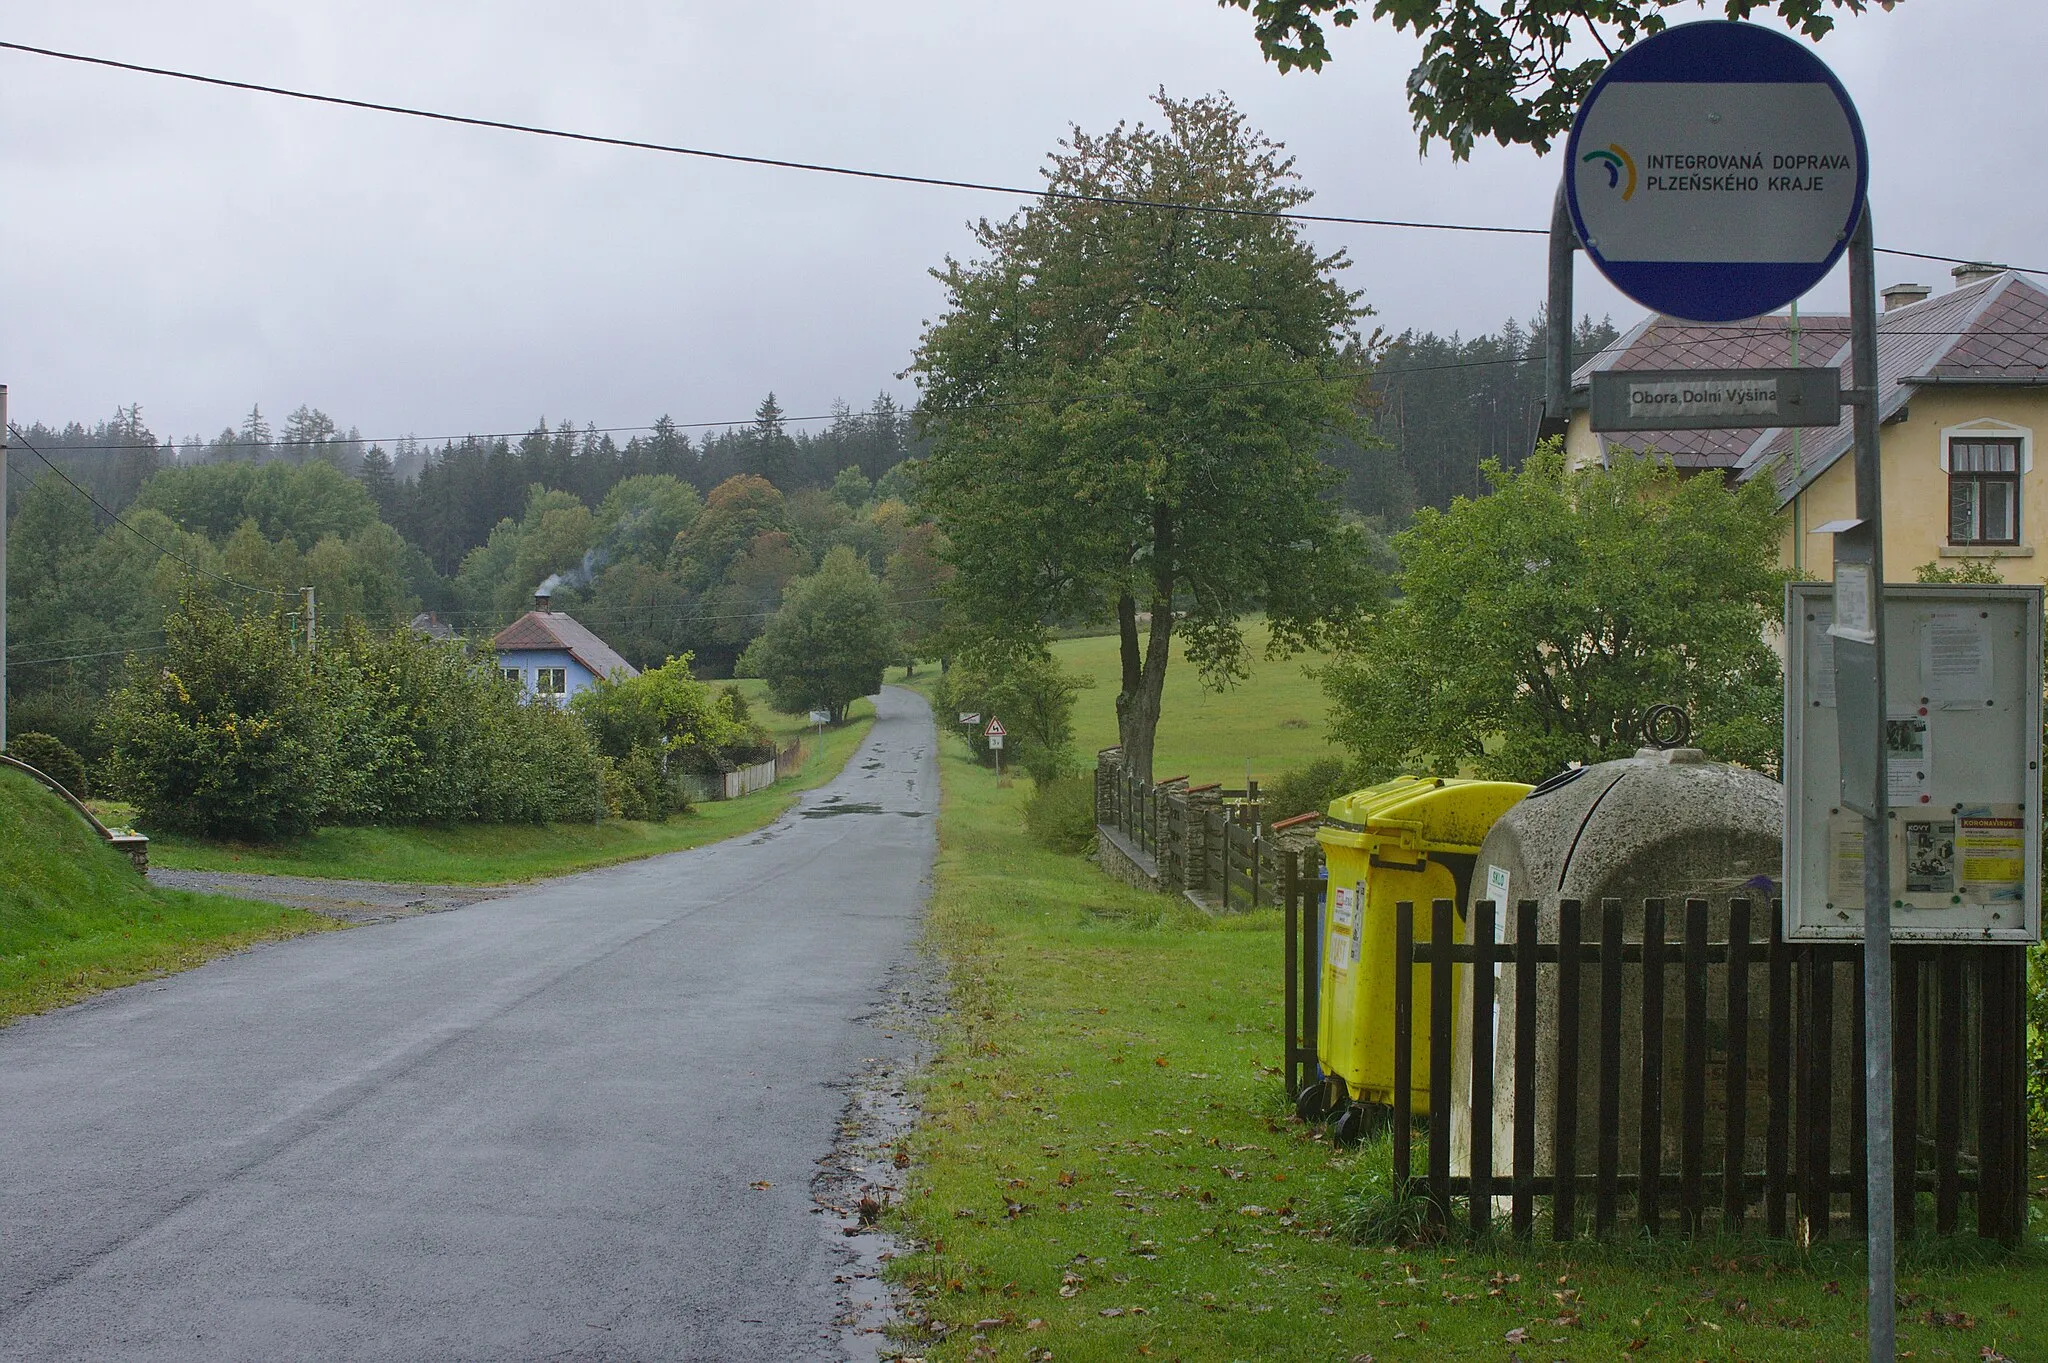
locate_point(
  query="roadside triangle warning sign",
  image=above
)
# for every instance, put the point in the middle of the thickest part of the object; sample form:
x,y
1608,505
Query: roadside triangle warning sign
x,y
995,729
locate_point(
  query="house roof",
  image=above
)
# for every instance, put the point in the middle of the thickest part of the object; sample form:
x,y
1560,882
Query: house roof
x,y
551,631
1991,331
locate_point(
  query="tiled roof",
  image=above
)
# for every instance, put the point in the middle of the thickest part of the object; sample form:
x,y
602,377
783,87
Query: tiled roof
x,y
553,630
1994,330
1664,343
1919,342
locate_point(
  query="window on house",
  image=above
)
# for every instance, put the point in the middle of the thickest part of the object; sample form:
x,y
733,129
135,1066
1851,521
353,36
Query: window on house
x,y
510,674
550,681
1984,492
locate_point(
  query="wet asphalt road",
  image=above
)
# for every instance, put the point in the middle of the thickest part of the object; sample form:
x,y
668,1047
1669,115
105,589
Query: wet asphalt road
x,y
529,1128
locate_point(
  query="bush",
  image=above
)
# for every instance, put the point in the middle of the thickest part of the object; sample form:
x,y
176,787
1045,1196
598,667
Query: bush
x,y
425,732
653,728
224,734
1060,814
1026,687
53,758
1308,789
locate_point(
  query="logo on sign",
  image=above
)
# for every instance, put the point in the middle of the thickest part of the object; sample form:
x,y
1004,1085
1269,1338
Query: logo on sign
x,y
1617,162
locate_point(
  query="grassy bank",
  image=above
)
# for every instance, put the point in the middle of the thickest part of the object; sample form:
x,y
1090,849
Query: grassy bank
x,y
1107,1169
484,854
1271,723
75,918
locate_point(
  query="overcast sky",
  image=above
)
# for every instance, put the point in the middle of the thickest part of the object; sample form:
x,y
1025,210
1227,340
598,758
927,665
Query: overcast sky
x,y
196,250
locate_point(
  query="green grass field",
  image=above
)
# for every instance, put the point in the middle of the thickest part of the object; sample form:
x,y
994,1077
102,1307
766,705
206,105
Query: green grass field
x,y
487,854
75,918
1271,723
1106,1168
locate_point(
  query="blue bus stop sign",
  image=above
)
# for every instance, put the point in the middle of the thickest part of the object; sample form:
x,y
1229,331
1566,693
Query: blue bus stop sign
x,y
1716,171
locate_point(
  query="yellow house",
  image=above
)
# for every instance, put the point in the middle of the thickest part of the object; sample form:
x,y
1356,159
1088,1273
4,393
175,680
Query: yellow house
x,y
1963,384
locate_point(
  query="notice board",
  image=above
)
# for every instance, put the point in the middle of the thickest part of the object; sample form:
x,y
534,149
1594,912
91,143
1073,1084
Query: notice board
x,y
1962,758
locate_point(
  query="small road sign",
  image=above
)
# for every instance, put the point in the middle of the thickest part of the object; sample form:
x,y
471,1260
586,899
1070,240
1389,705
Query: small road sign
x,y
1715,399
1716,171
821,716
970,716
995,729
995,742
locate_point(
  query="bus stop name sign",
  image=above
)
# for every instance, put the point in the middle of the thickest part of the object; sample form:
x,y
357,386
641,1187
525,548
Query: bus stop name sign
x,y
1716,171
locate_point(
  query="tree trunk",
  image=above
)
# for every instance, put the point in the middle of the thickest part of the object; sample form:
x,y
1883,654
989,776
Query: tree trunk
x,y
1144,678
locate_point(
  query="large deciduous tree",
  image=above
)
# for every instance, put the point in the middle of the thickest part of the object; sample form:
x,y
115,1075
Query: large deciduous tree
x,y
828,645
1514,72
1126,405
1536,625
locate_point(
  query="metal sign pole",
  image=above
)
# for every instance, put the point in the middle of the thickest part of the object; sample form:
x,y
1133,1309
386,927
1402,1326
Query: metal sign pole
x,y
1860,708
1557,331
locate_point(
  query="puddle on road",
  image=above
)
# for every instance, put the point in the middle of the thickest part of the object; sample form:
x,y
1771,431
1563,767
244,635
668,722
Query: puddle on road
x,y
832,810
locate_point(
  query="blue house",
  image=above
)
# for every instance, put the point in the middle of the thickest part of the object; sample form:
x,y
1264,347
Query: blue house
x,y
551,655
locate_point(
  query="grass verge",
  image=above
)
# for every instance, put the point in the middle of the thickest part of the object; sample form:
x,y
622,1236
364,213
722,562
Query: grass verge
x,y
75,918
488,854
1106,1169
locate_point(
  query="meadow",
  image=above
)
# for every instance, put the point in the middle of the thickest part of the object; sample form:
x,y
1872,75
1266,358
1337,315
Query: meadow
x,y
1270,723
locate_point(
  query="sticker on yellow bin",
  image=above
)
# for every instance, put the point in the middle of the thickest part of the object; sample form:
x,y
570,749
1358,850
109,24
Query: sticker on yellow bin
x,y
1416,840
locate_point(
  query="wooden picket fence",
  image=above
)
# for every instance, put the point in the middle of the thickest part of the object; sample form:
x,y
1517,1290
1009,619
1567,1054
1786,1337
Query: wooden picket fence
x,y
1959,1025
1204,840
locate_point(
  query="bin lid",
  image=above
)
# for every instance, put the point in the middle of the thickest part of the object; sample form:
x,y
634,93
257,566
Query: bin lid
x,y
1424,813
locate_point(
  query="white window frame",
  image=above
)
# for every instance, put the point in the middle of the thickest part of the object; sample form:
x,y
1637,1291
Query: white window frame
x,y
1990,428
543,675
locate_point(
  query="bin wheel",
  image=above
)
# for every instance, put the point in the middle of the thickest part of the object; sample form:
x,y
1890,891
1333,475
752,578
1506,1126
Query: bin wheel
x,y
1350,1125
1310,1105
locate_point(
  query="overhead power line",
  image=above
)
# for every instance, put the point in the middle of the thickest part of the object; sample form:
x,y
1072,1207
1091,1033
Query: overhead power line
x,y
820,167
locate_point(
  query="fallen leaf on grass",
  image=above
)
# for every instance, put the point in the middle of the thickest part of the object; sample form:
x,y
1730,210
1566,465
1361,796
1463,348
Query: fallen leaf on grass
x,y
1950,1320
1518,1335
1110,1311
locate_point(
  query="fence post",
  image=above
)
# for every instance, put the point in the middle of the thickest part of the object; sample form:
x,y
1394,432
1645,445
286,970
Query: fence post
x,y
1404,1042
1650,1132
1522,1209
1609,1166
1290,922
1906,1092
1692,1103
1440,1062
1312,965
1564,1130
1481,1182
1735,1119
1778,1074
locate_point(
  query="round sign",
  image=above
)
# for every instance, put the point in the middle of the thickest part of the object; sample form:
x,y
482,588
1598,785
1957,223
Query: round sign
x,y
1716,171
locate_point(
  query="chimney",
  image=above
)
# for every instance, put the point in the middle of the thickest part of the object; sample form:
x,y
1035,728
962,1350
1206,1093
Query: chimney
x,y
1904,295
540,601
1974,271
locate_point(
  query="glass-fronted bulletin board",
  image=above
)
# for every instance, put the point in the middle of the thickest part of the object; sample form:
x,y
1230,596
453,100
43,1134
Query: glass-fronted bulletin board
x,y
1962,760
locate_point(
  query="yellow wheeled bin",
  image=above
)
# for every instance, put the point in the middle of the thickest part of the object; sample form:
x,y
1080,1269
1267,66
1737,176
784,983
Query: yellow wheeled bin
x,y
1417,839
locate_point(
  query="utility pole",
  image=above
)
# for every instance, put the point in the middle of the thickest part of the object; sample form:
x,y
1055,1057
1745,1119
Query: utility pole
x,y
3,565
311,638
